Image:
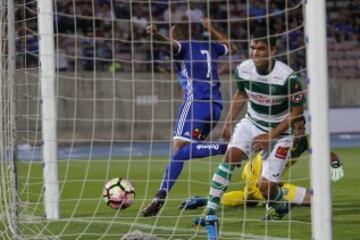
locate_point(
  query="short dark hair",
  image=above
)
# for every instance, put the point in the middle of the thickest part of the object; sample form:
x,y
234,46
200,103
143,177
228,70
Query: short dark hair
x,y
186,30
299,118
260,34
181,31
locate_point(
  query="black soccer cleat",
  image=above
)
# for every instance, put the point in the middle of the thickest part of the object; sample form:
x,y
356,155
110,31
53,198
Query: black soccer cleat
x,y
153,208
274,214
156,204
193,203
211,223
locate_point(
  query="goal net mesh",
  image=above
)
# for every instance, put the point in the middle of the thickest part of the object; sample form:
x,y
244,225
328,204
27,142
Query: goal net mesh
x,y
117,99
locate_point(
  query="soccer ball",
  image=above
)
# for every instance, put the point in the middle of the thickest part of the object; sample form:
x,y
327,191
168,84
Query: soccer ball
x,y
118,193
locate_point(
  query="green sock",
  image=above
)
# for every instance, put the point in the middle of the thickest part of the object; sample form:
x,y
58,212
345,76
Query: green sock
x,y
219,183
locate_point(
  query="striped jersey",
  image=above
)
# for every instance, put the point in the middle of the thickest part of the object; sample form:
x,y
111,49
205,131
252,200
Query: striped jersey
x,y
269,96
196,64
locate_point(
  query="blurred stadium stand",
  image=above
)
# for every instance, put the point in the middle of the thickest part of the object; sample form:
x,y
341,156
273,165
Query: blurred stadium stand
x,y
77,22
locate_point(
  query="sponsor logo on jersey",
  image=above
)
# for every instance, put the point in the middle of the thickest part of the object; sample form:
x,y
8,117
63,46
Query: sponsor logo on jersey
x,y
277,78
262,79
264,99
196,134
281,152
207,146
296,98
246,71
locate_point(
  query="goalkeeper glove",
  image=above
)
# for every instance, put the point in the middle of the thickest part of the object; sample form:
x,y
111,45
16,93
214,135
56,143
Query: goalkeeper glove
x,y
337,171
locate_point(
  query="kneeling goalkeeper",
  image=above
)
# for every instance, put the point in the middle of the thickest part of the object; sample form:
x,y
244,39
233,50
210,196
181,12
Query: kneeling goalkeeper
x,y
251,194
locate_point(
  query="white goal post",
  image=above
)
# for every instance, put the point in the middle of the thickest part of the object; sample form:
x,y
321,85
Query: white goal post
x,y
115,108
49,109
319,111
9,190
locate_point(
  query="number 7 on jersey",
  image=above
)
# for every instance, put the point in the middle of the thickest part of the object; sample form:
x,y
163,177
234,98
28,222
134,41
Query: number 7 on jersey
x,y
208,60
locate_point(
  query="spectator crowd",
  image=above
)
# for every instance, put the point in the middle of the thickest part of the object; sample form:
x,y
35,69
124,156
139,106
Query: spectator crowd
x,y
108,35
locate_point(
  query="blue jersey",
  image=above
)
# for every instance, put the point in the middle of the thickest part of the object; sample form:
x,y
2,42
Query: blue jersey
x,y
196,64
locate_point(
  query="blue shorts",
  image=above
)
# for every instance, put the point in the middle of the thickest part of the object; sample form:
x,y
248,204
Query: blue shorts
x,y
196,119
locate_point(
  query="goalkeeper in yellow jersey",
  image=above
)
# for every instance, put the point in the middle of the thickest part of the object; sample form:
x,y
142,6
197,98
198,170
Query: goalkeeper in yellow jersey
x,y
251,194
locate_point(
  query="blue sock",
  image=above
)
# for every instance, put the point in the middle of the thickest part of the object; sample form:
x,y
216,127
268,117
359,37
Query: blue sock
x,y
171,174
188,151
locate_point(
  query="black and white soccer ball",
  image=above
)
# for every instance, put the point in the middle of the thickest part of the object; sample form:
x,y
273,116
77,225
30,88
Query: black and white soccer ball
x,y
118,193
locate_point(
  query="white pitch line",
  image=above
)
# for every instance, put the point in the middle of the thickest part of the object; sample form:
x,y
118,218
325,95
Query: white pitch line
x,y
249,236
186,230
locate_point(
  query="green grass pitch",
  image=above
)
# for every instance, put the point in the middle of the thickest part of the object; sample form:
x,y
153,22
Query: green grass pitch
x,y
85,216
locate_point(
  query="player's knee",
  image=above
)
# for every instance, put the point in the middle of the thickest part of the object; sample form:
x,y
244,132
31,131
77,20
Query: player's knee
x,y
178,144
181,154
180,151
234,155
267,188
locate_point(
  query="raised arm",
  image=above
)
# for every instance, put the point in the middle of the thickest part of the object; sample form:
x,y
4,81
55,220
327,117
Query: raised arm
x,y
173,46
295,112
237,104
261,141
218,35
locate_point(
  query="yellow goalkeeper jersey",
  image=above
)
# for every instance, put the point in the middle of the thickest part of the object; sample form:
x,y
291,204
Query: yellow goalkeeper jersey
x,y
252,169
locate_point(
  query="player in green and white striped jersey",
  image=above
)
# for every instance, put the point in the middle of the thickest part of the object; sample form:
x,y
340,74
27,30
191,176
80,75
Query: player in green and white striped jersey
x,y
274,97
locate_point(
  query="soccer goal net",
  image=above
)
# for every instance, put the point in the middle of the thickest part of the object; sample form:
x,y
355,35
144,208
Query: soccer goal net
x,y
87,96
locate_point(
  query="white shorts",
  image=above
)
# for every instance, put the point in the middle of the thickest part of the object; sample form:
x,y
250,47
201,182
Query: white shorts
x,y
274,157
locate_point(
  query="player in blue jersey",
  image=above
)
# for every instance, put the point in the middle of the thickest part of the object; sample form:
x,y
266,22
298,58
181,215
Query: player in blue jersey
x,y
196,63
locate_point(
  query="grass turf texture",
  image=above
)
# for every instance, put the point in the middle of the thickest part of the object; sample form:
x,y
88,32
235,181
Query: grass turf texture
x,y
85,216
